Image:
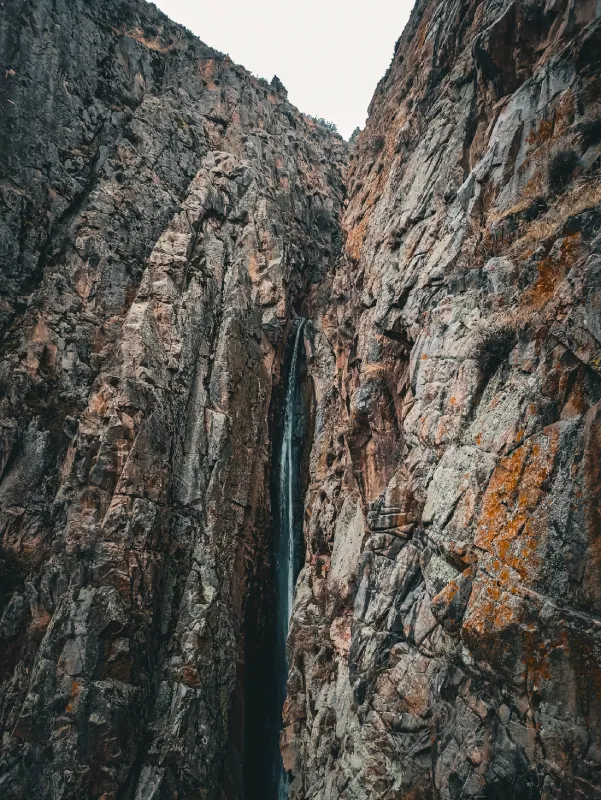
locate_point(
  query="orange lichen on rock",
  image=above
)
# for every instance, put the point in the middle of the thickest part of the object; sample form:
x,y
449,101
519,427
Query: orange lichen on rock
x,y
553,269
492,623
354,242
508,527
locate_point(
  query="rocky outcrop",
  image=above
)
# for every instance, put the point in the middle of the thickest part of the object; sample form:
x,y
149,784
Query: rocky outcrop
x,y
164,214
446,639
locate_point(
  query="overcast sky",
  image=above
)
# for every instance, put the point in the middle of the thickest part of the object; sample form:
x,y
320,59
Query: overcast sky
x,y
328,54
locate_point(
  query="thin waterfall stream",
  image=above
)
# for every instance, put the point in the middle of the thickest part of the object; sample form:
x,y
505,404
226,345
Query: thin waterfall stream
x,y
289,539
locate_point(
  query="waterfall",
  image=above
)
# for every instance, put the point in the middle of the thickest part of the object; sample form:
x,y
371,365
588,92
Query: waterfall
x,y
288,540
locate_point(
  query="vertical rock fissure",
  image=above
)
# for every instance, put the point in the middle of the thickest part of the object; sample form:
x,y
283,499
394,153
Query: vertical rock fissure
x,y
288,542
277,564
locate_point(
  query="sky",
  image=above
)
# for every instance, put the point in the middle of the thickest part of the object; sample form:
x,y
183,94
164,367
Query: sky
x,y
328,54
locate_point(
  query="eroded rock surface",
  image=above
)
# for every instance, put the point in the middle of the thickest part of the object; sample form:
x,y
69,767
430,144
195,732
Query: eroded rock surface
x,y
163,215
456,356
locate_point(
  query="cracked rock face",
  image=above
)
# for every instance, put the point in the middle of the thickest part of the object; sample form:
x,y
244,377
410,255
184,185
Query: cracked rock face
x,y
164,215
457,357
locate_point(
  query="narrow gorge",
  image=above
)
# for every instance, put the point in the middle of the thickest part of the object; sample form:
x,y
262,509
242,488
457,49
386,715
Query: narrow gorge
x,y
289,551
300,492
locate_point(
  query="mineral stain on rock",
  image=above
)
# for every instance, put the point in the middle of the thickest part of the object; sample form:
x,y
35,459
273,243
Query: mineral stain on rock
x,y
165,219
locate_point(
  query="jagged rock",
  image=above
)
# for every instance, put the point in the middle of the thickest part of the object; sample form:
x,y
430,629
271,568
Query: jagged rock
x,y
161,210
165,216
462,324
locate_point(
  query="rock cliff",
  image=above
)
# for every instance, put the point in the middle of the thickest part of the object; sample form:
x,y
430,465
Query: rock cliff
x,y
165,216
446,640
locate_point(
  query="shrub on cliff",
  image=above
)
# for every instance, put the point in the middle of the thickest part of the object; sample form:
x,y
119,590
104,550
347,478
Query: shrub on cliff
x,y
278,86
354,135
590,132
494,345
324,123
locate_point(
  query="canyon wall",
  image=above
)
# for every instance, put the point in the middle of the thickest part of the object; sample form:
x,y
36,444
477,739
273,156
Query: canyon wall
x,y
164,216
446,640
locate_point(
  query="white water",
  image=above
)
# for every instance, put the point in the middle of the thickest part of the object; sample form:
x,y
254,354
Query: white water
x,y
288,546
